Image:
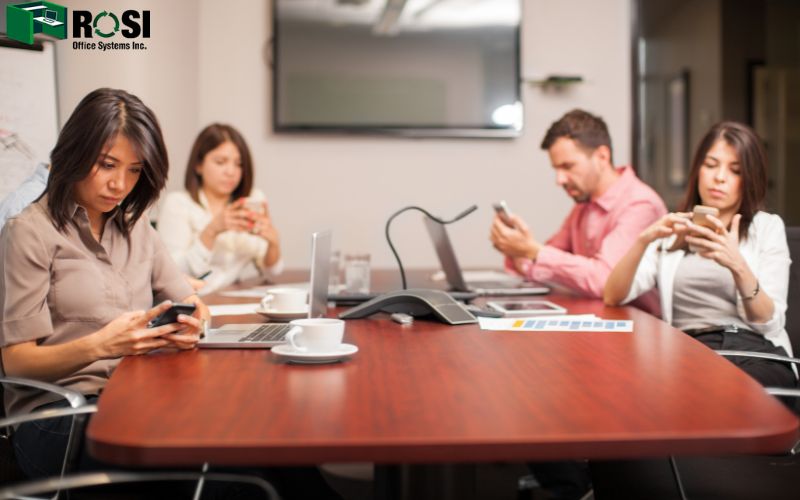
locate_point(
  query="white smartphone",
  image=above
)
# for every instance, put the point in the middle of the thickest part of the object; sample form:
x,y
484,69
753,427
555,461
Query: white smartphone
x,y
501,207
526,308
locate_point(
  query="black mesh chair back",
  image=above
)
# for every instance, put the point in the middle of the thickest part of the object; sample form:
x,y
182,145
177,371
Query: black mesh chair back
x,y
793,301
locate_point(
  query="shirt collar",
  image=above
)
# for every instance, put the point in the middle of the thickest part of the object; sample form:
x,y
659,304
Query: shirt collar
x,y
76,211
201,197
617,191
41,173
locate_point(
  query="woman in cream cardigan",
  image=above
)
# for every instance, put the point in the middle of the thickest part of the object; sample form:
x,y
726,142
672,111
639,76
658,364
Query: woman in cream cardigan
x,y
220,223
725,286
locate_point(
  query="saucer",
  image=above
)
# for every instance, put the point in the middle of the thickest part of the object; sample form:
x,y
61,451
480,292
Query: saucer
x,y
288,352
282,315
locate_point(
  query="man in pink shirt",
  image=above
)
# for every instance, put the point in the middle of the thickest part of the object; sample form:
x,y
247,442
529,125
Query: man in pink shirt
x,y
612,207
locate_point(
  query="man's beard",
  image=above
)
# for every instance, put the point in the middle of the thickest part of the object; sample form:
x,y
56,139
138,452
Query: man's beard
x,y
579,198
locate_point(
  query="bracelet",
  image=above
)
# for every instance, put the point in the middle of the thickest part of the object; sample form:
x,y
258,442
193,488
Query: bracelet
x,y
755,292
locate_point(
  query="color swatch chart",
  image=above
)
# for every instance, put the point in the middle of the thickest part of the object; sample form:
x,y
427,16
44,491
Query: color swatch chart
x,y
574,323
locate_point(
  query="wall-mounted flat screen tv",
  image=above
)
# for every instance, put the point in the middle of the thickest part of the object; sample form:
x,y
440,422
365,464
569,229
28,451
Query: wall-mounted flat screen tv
x,y
409,67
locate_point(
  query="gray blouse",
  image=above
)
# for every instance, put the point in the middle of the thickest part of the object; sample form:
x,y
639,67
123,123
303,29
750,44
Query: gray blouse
x,y
704,295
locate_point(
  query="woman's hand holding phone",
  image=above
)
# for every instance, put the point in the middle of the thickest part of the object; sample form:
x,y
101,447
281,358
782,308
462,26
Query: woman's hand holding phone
x,y
128,334
190,316
676,223
262,223
234,217
718,243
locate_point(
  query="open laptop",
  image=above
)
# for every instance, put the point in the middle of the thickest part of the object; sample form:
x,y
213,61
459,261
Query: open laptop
x,y
455,277
265,335
49,17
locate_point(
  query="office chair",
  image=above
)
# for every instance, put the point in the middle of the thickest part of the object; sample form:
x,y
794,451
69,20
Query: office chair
x,y
792,317
729,478
79,409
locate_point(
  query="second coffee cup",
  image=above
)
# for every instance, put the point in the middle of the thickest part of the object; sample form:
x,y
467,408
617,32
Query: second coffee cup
x,y
316,334
285,300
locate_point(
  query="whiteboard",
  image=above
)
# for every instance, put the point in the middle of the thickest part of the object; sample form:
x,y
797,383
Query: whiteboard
x,y
28,112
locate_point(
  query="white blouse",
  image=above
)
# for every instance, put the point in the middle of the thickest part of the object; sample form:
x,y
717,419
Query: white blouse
x,y
235,256
767,254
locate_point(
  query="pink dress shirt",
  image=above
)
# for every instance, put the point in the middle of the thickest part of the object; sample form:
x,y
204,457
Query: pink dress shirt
x,y
596,235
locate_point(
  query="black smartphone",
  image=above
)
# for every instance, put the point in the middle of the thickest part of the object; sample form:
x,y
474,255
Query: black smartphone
x,y
171,315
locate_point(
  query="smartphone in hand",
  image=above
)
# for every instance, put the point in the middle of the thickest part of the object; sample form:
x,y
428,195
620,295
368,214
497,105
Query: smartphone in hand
x,y
171,315
700,215
501,207
254,205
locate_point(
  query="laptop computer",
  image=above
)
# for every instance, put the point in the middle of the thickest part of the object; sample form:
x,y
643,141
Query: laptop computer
x,y
455,276
49,17
266,335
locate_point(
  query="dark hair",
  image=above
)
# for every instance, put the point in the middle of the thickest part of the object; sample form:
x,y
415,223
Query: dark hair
x,y
752,165
588,130
97,119
208,139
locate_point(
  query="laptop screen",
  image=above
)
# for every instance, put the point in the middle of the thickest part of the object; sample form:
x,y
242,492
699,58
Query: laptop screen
x,y
446,254
320,271
50,14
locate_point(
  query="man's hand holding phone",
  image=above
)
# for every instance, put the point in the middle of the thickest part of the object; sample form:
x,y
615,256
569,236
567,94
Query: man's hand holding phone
x,y
503,213
514,240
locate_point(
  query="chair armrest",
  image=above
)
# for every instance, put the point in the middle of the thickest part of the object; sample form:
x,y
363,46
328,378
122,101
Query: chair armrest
x,y
780,391
74,481
762,355
45,414
75,399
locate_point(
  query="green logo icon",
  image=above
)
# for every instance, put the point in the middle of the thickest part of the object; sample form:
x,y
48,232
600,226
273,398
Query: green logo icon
x,y
23,20
97,20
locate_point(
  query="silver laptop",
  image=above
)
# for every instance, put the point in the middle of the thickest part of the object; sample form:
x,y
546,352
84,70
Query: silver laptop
x,y
455,277
265,335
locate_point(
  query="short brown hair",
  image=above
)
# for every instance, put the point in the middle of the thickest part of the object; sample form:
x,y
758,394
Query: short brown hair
x,y
752,165
97,119
209,139
588,130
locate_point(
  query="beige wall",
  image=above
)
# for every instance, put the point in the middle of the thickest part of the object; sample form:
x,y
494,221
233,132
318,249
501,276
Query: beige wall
x,y
211,66
164,76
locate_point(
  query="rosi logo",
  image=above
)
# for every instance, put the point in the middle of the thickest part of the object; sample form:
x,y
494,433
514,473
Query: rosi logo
x,y
24,20
84,26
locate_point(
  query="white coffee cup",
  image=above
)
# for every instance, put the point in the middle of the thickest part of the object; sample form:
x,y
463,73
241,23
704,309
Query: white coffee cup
x,y
285,300
316,334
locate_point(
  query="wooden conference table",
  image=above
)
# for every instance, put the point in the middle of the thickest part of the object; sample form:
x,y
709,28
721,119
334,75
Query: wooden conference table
x,y
432,393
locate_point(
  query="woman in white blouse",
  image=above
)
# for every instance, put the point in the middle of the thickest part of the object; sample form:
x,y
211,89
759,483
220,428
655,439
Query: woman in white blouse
x,y
726,287
220,223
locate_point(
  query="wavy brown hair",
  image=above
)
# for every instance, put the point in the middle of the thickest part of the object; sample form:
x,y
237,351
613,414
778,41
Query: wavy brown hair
x,y
209,139
99,118
752,165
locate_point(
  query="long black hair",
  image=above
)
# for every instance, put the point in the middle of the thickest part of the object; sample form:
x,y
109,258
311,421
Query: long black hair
x,y
99,118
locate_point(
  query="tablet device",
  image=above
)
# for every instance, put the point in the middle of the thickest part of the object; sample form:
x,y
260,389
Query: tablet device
x,y
526,307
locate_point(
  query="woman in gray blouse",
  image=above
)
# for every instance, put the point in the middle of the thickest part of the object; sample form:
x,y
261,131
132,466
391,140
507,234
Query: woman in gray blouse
x,y
81,268
726,286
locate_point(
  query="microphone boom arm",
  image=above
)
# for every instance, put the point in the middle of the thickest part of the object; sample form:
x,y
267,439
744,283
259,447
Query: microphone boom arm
x,y
427,214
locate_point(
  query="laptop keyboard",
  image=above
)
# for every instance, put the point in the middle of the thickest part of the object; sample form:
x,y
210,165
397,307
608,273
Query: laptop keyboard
x,y
267,333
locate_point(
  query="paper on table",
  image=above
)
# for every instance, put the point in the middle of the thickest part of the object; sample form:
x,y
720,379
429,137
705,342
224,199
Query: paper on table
x,y
568,323
233,309
256,292
485,276
259,291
